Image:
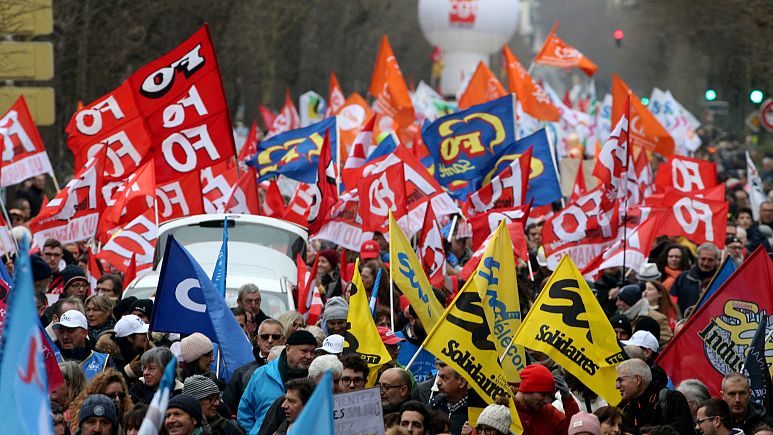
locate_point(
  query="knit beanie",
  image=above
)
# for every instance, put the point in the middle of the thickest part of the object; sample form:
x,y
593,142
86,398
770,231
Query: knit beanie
x,y
622,322
40,269
72,273
496,416
336,308
331,256
195,346
200,387
301,337
647,323
584,422
188,404
98,405
630,294
145,306
123,306
537,378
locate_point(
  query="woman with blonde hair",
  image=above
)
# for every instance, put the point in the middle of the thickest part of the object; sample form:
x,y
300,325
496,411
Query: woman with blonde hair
x,y
110,383
291,321
99,314
74,383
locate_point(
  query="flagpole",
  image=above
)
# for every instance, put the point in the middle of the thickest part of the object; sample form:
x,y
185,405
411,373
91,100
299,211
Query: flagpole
x,y
628,151
8,225
391,299
56,182
451,229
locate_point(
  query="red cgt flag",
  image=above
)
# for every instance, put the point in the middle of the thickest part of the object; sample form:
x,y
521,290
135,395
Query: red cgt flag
x,y
717,337
132,198
556,52
580,188
431,251
287,119
24,154
612,165
309,300
324,193
335,99
133,245
532,96
381,193
483,87
484,224
507,189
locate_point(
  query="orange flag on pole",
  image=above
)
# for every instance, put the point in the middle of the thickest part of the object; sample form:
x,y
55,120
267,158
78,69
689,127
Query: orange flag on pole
x,y
556,52
483,87
645,130
336,99
534,100
388,86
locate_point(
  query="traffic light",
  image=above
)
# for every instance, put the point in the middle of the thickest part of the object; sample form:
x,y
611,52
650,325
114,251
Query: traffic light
x,y
645,101
711,95
756,96
618,34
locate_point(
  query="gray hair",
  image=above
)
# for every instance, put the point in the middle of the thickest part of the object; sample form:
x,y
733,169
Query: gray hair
x,y
709,246
694,390
634,352
158,355
74,378
247,288
637,367
735,375
271,321
323,363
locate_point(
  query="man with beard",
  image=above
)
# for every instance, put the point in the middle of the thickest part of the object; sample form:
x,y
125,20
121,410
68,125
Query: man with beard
x,y
395,386
414,334
268,382
690,283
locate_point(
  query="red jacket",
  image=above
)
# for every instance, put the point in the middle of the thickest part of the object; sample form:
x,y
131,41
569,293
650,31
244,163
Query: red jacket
x,y
548,420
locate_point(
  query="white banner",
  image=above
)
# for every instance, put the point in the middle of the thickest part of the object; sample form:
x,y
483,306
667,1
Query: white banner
x,y
358,412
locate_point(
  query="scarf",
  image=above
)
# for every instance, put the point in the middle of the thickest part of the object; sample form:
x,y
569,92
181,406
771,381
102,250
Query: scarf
x,y
286,372
453,407
640,308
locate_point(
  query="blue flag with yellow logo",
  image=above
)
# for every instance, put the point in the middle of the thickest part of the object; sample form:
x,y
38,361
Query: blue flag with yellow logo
x,y
544,187
466,145
294,153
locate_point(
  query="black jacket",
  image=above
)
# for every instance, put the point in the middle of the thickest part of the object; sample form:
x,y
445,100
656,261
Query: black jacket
x,y
458,417
232,394
687,288
754,416
646,410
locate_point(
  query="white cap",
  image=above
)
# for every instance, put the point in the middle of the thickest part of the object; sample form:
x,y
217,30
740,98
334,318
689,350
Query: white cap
x,y
130,324
72,319
643,339
333,344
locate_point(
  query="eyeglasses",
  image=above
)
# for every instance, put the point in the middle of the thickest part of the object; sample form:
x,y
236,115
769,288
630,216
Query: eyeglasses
x,y
486,430
386,387
619,380
274,337
356,381
213,399
81,285
117,395
701,420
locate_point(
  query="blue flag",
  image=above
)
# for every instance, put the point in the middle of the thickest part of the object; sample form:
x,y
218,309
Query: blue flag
x,y
374,294
154,417
295,153
26,407
221,265
756,365
544,187
5,276
317,415
187,302
727,269
467,145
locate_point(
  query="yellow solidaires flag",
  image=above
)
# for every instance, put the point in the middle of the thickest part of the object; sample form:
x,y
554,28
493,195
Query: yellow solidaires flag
x,y
409,277
497,286
362,336
462,339
567,324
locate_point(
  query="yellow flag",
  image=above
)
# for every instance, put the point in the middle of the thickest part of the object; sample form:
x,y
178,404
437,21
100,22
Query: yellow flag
x,y
567,324
462,339
409,277
362,336
497,286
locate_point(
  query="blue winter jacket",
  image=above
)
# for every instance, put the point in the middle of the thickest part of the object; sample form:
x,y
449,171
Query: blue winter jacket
x,y
264,387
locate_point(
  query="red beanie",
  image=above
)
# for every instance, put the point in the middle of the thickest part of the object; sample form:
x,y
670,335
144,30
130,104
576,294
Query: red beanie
x,y
537,379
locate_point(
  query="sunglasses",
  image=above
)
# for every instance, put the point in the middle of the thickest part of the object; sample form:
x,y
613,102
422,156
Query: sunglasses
x,y
117,395
274,337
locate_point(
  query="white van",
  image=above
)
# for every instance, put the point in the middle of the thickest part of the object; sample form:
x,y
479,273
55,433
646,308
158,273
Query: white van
x,y
261,250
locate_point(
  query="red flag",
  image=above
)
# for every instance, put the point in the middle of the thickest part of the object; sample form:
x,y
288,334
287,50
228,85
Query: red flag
x,y
362,146
717,337
579,189
243,198
388,86
53,373
131,272
324,192
72,215
686,174
94,272
646,130
24,154
250,147
273,202
520,249
309,299
634,251
267,116
216,182
300,204
287,119
431,252
180,197
134,244
507,189
556,52
532,96
612,165
483,224
335,99
381,193
483,87
130,199
698,219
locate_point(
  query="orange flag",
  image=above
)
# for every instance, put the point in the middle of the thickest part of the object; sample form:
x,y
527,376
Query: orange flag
x,y
483,87
645,130
556,52
388,86
351,117
533,98
336,99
